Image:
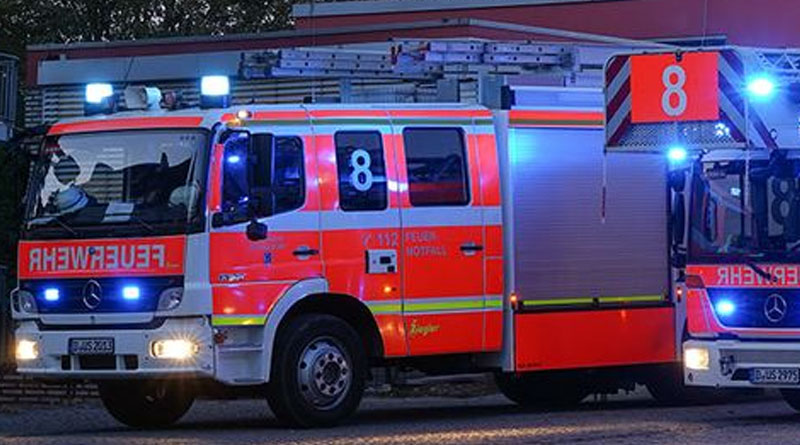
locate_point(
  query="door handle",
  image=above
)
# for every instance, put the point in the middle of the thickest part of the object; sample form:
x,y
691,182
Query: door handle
x,y
470,248
305,251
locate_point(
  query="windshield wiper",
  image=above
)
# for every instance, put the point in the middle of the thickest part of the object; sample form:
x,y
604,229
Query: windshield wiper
x,y
142,223
57,219
749,262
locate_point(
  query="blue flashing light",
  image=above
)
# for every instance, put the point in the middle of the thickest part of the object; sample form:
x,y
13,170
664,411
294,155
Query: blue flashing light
x,y
215,86
725,308
677,154
131,292
97,92
761,87
234,159
52,294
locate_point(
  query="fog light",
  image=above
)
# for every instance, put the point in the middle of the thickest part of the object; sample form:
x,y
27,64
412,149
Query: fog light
x,y
174,349
696,359
27,350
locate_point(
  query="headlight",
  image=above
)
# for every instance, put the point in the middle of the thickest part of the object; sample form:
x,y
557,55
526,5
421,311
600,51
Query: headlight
x,y
27,350
24,301
696,359
175,349
170,298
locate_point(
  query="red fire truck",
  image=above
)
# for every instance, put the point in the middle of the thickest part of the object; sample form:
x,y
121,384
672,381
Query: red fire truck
x,y
730,116
289,250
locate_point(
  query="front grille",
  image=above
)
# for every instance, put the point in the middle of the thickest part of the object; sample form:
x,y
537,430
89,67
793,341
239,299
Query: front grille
x,y
749,307
762,356
72,293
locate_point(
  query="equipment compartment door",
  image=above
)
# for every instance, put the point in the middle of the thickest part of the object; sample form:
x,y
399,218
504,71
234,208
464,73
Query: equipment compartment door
x,y
443,240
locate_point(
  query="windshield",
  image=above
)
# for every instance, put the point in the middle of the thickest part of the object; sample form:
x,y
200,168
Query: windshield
x,y
143,182
746,211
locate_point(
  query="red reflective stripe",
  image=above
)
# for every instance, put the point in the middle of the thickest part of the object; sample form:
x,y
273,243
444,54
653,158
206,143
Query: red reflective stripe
x,y
321,114
537,118
133,123
441,113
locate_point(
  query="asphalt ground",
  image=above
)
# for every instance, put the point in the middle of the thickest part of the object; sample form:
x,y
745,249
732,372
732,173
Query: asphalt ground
x,y
631,419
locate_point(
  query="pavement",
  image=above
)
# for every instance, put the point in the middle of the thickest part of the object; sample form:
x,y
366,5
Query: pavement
x,y
631,419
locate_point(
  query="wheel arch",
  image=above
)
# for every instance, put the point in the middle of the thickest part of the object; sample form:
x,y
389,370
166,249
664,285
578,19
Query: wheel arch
x,y
313,296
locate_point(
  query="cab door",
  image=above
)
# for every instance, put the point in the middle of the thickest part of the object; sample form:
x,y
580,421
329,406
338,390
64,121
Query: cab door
x,y
443,240
265,230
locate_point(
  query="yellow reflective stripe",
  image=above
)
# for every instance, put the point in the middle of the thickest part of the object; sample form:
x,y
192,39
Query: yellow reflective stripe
x,y
444,305
238,320
631,299
494,303
559,302
385,308
601,300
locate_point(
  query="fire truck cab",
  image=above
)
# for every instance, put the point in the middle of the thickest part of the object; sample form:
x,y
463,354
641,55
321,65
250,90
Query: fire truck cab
x,y
168,254
729,118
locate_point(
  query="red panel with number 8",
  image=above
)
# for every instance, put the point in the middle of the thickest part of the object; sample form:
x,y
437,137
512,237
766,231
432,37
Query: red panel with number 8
x,y
664,89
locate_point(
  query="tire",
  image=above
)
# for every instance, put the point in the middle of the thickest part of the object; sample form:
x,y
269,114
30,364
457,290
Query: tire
x,y
318,372
540,391
792,398
147,403
667,388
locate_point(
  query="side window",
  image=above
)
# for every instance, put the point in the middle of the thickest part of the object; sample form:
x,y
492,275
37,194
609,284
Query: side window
x,y
361,170
235,189
437,166
288,175
273,173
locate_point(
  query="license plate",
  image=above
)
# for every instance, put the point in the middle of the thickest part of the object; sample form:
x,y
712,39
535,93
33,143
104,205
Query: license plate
x,y
91,346
775,375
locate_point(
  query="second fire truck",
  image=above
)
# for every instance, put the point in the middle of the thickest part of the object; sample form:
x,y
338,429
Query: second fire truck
x,y
730,115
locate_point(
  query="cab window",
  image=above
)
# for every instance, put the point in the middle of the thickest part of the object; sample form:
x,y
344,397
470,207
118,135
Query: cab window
x,y
265,181
437,166
361,170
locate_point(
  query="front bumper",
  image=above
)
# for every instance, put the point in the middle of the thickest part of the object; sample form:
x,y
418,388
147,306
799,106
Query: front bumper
x,y
730,362
132,357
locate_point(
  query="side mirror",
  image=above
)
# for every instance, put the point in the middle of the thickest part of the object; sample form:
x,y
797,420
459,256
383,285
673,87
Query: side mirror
x,y
678,257
678,219
257,231
677,180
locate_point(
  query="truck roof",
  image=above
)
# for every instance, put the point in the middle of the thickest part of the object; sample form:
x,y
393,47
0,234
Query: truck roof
x,y
206,118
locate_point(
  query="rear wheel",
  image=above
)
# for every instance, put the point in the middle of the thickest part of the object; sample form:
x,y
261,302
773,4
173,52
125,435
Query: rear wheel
x,y
534,390
792,398
147,403
318,372
667,387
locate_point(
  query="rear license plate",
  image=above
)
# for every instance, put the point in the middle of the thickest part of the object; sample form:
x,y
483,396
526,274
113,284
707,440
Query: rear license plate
x,y
91,346
775,375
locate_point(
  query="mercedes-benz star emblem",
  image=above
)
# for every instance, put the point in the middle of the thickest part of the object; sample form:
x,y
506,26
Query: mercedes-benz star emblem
x,y
775,308
92,294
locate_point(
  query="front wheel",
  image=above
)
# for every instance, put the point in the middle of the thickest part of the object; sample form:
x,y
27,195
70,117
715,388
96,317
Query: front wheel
x,y
792,398
318,372
147,403
541,390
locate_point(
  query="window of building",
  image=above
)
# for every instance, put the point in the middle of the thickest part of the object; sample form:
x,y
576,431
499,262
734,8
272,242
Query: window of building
x,y
437,166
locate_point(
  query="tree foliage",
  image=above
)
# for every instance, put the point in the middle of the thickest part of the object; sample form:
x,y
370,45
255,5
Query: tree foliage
x,y
25,22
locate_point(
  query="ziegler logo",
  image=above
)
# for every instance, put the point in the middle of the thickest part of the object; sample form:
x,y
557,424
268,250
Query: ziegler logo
x,y
108,257
422,330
